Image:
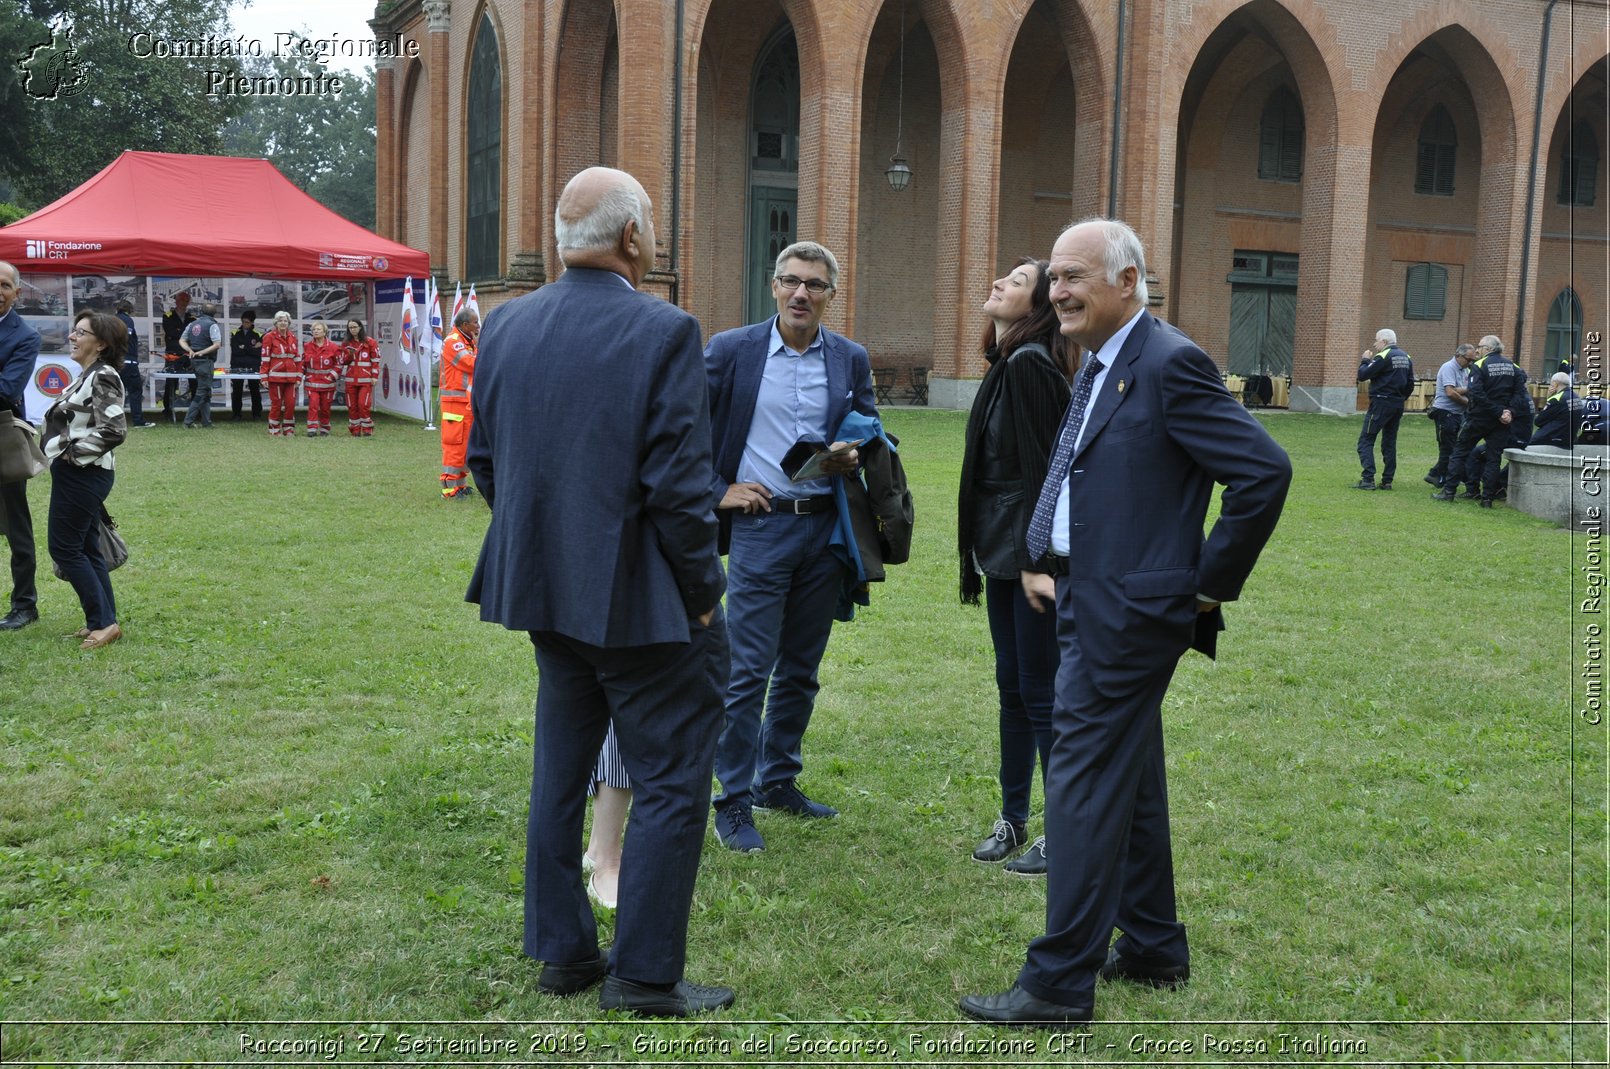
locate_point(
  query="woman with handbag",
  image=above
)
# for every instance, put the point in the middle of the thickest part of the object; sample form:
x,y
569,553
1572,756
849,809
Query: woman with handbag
x,y
81,429
1010,434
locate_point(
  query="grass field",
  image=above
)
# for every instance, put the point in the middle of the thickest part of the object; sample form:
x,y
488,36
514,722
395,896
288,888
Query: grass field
x,y
295,792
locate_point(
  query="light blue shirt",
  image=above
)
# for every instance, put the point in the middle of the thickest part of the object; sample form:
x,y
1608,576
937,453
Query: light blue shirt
x,y
792,404
1107,354
1450,374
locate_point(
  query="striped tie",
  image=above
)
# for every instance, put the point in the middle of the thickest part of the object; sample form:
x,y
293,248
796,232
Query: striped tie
x,y
1039,537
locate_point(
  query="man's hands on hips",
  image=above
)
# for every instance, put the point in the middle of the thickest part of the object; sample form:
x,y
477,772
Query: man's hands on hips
x,y
1040,589
749,497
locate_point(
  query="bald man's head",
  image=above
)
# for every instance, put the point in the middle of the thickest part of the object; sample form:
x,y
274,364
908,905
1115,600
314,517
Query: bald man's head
x,y
591,219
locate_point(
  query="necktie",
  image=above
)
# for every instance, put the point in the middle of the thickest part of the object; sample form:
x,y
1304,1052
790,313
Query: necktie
x,y
1039,537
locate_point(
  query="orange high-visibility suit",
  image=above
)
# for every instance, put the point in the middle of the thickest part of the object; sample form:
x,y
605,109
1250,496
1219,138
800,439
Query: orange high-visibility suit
x,y
458,372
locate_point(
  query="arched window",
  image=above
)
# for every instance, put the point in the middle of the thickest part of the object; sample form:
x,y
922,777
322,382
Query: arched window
x,y
483,231
1579,167
1564,329
1280,138
1433,173
1425,292
774,131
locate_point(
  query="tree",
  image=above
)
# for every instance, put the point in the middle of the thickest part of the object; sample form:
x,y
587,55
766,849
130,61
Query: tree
x,y
324,143
51,143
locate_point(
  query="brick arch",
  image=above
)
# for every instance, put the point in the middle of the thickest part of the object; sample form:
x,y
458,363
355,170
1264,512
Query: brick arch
x,y
575,69
461,139
415,98
1562,232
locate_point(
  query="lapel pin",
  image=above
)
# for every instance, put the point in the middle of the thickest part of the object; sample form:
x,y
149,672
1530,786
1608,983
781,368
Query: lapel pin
x,y
1121,383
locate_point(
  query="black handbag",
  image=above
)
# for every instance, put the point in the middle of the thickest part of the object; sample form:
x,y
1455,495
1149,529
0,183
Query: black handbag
x,y
20,456
114,551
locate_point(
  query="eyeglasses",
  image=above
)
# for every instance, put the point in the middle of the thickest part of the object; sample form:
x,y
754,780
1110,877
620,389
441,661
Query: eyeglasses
x,y
78,333
815,285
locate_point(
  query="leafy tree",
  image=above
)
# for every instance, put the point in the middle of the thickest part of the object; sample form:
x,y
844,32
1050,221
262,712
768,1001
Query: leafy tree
x,y
322,142
123,101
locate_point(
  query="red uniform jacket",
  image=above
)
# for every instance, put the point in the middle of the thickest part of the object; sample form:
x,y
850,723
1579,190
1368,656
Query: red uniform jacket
x,y
321,364
362,362
281,360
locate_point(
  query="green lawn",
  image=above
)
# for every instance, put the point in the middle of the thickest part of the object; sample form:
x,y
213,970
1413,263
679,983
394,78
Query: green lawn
x,y
295,792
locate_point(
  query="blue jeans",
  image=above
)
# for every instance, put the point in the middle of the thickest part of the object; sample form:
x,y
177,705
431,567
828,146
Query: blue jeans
x,y
76,497
782,587
1026,658
201,394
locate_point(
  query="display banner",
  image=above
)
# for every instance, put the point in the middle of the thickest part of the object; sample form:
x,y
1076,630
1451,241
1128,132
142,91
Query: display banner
x,y
405,384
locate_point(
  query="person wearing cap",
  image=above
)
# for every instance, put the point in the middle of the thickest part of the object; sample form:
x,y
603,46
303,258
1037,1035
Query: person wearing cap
x,y
133,385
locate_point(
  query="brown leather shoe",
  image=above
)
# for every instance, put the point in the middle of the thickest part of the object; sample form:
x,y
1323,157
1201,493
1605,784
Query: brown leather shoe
x,y
104,637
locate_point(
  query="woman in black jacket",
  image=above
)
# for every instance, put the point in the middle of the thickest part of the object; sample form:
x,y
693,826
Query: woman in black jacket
x,y
1010,434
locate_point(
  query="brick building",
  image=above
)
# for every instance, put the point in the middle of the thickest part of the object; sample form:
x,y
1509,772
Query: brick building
x,y
1302,171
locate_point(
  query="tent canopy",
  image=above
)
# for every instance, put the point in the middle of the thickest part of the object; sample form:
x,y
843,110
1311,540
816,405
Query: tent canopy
x,y
159,213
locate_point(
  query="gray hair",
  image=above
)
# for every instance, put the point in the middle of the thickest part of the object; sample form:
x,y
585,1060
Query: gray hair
x,y
466,315
1492,344
1464,349
16,275
1559,378
1388,335
811,253
282,315
601,227
1123,249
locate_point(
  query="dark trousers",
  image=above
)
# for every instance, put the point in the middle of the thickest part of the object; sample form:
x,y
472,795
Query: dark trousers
x,y
77,496
1485,478
1025,674
782,588
1447,434
19,531
665,704
133,392
257,396
1382,419
1106,829
200,410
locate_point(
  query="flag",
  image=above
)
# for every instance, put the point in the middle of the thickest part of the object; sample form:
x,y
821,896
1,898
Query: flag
x,y
434,338
405,336
458,302
474,305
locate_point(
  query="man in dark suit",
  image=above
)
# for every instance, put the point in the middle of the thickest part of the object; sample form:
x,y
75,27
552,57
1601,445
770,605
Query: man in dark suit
x,y
773,384
1149,431
19,346
591,445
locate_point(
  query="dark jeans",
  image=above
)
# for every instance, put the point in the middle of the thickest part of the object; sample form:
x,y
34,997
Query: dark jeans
x,y
170,387
18,527
133,393
257,395
1025,674
1447,434
201,394
1459,465
1382,418
76,497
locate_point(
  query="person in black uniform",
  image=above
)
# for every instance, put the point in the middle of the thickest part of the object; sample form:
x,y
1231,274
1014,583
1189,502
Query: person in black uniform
x,y
1390,374
245,358
133,384
1554,424
1497,393
175,360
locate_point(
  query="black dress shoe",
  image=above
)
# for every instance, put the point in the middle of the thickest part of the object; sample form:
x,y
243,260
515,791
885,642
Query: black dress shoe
x,y
1032,863
1003,839
1141,971
1017,1006
571,977
683,1000
17,619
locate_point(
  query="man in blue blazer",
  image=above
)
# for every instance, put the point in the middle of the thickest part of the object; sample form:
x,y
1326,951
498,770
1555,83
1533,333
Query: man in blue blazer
x,y
591,445
19,347
771,385
1149,431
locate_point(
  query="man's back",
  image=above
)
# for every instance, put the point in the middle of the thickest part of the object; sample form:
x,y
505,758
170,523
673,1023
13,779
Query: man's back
x,y
591,443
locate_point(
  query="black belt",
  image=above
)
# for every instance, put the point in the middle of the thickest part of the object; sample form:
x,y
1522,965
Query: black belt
x,y
1056,567
803,506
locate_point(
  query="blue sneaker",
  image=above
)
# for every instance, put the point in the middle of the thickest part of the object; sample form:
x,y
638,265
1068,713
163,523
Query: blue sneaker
x,y
790,799
735,827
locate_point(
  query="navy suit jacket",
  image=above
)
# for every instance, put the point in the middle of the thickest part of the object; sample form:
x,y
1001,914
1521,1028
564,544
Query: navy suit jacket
x,y
735,361
19,348
591,445
1163,430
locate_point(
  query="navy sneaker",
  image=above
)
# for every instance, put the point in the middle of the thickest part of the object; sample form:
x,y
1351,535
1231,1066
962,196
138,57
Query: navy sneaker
x,y
735,827
790,799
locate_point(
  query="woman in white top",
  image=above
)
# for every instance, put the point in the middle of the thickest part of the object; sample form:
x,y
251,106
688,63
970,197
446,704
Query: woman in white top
x,y
81,429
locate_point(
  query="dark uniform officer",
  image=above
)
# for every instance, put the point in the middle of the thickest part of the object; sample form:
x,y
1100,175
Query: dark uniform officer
x,y
1390,374
1497,397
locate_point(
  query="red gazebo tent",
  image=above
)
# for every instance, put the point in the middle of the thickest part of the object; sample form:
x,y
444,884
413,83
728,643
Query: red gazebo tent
x,y
159,213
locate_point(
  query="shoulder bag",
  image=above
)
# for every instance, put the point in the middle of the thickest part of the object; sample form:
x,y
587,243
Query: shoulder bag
x,y
20,455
